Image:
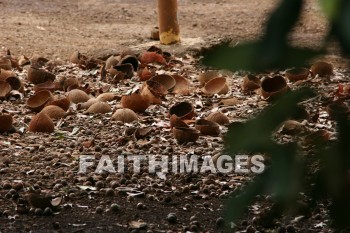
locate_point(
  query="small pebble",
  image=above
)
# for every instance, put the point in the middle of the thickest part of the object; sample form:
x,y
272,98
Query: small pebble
x,y
115,207
48,211
109,192
38,211
99,210
171,218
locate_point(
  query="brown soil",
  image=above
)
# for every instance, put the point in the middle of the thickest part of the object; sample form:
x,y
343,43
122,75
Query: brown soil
x,y
55,29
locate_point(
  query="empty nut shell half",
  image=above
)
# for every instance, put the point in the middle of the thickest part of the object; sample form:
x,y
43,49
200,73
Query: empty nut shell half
x,y
296,74
124,115
208,127
207,76
46,86
39,100
183,110
5,63
126,69
184,134
219,118
41,122
37,76
77,58
111,61
130,59
135,102
5,89
182,86
99,107
250,83
77,96
5,122
10,77
216,86
338,109
166,80
38,61
153,91
317,137
321,69
54,112
272,88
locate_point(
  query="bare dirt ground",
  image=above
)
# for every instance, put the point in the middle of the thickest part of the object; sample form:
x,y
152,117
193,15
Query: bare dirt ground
x,y
55,29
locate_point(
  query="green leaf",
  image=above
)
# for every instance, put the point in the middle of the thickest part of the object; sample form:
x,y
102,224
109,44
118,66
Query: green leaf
x,y
256,57
330,7
238,203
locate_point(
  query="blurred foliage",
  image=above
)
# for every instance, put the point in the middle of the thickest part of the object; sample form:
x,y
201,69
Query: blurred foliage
x,y
288,174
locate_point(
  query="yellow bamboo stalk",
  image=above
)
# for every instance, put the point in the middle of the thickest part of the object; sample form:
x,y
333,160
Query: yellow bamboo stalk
x,y
169,30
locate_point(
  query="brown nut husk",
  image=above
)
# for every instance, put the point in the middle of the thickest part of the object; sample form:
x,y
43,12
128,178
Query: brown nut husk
x,y
135,102
207,127
184,134
39,100
153,91
219,118
182,86
166,80
41,122
5,89
124,115
62,102
146,73
152,57
292,127
111,61
46,86
297,74
272,88
11,78
108,96
338,109
54,112
317,137
176,121
37,76
38,61
183,110
130,59
250,83
77,96
216,86
5,63
87,104
122,71
322,69
77,58
69,82
43,201
207,76
5,122
99,107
